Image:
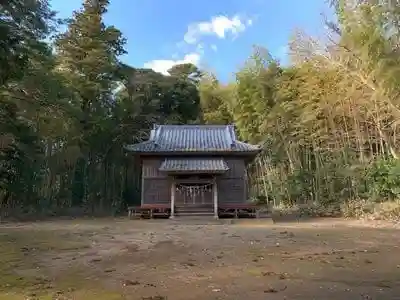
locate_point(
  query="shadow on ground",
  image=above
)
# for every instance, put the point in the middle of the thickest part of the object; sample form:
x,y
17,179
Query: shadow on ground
x,y
156,260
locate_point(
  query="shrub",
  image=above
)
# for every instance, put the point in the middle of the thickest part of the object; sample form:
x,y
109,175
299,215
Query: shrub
x,y
320,210
388,210
283,209
356,208
363,209
311,210
382,180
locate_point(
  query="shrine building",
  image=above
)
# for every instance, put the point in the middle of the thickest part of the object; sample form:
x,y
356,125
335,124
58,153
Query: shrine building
x,y
193,170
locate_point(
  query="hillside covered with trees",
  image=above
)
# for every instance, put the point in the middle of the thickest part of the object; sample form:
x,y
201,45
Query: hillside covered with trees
x,y
328,121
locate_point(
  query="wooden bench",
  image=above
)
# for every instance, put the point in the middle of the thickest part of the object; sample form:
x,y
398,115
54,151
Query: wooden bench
x,y
149,211
238,209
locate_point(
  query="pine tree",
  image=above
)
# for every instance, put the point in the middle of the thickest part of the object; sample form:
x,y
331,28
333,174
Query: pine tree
x,y
88,57
25,66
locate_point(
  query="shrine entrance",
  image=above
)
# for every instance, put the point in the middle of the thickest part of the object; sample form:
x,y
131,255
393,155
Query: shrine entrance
x,y
194,194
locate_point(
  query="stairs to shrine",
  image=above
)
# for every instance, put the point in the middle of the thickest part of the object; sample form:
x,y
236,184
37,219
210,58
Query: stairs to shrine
x,y
189,210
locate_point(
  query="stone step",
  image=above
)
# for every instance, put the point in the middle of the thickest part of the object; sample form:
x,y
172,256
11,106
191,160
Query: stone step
x,y
196,213
195,206
190,206
197,220
194,210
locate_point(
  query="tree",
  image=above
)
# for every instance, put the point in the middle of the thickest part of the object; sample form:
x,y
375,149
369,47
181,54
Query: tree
x,y
88,58
23,25
328,122
186,71
255,94
216,101
28,98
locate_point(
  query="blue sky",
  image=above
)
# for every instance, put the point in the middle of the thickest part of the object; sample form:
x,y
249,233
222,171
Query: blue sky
x,y
216,35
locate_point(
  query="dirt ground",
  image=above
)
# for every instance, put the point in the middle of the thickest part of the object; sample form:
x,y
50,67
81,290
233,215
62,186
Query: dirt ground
x,y
159,260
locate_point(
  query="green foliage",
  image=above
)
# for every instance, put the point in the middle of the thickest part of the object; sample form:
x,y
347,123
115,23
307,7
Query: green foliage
x,y
299,186
328,122
330,128
22,26
216,101
65,116
255,95
382,180
27,88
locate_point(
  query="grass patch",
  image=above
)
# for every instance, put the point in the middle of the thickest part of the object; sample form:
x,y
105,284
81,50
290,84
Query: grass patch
x,y
18,267
78,295
23,272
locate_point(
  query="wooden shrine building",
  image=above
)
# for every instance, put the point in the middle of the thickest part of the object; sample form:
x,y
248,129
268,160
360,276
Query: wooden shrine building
x,y
194,169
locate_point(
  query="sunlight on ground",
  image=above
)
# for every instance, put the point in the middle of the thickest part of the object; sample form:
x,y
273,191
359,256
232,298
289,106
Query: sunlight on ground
x,y
22,272
116,260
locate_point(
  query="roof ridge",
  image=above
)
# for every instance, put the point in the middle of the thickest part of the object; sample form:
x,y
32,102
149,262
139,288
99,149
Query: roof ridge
x,y
194,138
194,125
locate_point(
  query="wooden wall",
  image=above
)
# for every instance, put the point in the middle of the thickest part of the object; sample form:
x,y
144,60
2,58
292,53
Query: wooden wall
x,y
232,185
156,186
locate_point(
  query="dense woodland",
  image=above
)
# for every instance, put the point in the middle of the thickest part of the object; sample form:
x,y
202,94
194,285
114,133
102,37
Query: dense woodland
x,y
328,121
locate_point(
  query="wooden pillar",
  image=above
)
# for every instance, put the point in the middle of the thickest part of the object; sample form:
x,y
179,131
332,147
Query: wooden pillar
x,y
142,190
215,197
173,189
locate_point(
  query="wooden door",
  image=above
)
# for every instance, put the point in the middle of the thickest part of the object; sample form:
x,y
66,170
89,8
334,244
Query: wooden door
x,y
193,194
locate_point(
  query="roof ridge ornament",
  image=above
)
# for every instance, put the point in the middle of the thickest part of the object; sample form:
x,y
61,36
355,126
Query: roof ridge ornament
x,y
231,135
157,129
152,134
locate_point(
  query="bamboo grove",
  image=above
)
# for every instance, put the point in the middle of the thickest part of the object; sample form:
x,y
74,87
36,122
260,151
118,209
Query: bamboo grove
x,y
327,121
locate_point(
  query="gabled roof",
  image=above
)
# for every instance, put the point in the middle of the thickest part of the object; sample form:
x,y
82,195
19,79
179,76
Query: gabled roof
x,y
193,139
194,165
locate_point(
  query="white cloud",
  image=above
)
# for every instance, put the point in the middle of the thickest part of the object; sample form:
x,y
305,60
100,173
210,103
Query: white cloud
x,y
163,65
200,48
219,26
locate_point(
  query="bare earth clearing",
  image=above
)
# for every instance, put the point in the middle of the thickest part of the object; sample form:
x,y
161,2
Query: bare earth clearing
x,y
155,260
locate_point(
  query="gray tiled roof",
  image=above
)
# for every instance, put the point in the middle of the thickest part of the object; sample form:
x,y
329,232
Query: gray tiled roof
x,y
193,138
215,165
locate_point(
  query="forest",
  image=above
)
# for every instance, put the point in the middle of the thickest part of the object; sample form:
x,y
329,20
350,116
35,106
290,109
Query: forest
x,y
327,121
